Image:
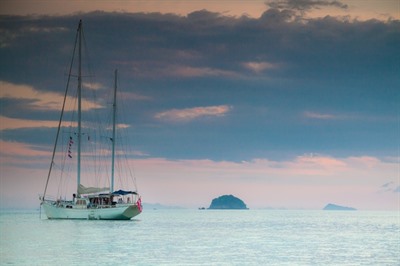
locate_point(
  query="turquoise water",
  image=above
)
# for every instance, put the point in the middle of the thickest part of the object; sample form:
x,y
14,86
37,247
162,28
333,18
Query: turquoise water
x,y
193,237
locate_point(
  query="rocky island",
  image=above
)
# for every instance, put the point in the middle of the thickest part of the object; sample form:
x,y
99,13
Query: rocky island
x,y
334,207
227,202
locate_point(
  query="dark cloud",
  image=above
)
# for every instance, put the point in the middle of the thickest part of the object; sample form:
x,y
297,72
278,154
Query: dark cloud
x,y
304,5
275,63
390,187
161,45
387,184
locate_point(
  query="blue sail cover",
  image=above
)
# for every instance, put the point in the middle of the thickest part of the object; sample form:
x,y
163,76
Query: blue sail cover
x,y
123,192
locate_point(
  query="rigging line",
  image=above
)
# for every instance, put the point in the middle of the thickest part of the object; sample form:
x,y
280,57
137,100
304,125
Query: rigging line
x,y
61,116
63,160
123,143
129,151
62,181
86,49
96,129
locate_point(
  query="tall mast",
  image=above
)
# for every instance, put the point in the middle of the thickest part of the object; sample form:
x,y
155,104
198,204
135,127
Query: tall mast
x,y
79,105
61,117
113,132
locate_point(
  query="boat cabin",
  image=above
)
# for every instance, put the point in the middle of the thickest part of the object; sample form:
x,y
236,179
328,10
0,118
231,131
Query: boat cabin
x,y
101,200
106,200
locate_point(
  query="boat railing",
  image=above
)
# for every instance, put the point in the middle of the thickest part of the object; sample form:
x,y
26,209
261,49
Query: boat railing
x,y
48,198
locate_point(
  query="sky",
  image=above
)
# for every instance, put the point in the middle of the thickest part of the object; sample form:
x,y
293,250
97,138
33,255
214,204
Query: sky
x,y
284,104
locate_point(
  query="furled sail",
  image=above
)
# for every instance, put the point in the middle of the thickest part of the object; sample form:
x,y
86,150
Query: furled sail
x,y
89,190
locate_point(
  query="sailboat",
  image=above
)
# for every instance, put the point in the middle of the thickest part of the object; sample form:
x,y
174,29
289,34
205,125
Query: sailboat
x,y
90,203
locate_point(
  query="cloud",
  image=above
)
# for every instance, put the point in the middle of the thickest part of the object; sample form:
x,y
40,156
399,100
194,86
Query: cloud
x,y
320,162
188,114
119,126
314,115
367,118
387,184
8,36
188,71
390,187
38,100
333,68
259,67
262,181
21,149
92,86
301,182
174,46
169,69
17,155
14,123
365,161
305,5
140,153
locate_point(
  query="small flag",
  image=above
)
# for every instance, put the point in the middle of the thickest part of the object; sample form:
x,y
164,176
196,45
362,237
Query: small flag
x,y
69,146
139,204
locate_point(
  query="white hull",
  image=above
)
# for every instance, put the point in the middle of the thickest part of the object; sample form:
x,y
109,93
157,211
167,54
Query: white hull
x,y
118,212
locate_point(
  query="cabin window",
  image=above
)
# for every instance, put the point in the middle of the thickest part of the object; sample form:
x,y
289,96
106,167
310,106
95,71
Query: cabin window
x,y
80,202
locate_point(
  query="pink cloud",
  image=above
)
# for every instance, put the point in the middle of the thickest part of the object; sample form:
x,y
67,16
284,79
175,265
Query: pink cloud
x,y
299,183
92,86
39,100
302,182
14,123
189,114
189,71
259,67
359,9
153,68
21,149
364,161
319,163
14,155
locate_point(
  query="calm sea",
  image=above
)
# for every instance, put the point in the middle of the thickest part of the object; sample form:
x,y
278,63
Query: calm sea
x,y
193,237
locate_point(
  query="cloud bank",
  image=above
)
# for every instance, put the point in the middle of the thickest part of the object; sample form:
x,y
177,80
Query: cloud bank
x,y
229,103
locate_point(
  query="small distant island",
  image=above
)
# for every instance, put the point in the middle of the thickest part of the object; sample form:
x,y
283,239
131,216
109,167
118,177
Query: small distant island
x,y
227,202
334,207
